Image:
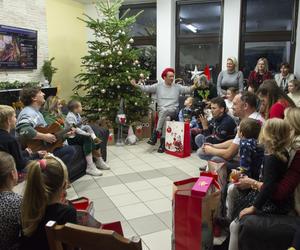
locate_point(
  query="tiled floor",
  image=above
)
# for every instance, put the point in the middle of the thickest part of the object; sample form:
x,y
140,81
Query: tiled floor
x,y
137,191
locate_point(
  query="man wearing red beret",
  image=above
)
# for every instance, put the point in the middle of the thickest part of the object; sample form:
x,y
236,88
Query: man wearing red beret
x,y
167,94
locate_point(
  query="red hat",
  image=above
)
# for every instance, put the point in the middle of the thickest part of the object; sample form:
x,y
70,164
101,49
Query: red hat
x,y
166,70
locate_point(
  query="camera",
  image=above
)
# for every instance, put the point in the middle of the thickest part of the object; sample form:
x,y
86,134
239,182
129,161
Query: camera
x,y
198,109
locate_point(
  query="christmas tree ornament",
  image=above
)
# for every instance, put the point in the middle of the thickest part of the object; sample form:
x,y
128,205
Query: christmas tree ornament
x,y
123,32
195,73
121,63
103,91
102,66
103,54
118,86
136,61
99,110
119,52
128,46
110,66
131,40
135,103
142,75
129,77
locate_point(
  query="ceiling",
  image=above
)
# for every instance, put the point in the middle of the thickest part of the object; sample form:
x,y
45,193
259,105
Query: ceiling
x,y
125,1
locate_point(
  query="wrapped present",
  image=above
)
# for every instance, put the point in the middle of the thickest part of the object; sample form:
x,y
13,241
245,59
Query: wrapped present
x,y
202,186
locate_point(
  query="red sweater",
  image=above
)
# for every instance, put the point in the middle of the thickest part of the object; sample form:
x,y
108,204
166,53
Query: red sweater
x,y
290,181
255,79
277,109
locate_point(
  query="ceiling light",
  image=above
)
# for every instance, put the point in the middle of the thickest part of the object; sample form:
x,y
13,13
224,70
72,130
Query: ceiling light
x,y
191,28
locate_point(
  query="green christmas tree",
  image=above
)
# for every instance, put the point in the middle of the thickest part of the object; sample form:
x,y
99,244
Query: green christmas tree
x,y
110,65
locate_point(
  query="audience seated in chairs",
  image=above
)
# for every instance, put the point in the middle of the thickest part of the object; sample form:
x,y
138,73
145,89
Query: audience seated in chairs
x,y
284,77
294,91
244,105
256,230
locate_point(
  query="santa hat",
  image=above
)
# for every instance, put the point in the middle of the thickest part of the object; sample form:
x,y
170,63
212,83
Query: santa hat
x,y
166,70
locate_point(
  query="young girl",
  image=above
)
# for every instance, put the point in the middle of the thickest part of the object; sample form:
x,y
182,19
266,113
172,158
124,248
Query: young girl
x,y
46,184
275,136
294,91
230,94
10,203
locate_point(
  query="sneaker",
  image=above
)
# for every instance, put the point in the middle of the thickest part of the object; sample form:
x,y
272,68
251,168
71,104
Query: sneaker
x,y
161,148
100,164
92,170
153,138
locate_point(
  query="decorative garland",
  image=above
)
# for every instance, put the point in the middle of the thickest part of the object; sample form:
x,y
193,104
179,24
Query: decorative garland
x,y
17,85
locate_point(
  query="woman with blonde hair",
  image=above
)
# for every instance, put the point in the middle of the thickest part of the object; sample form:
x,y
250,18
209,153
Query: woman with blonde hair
x,y
259,74
52,109
287,186
231,77
10,203
47,181
294,91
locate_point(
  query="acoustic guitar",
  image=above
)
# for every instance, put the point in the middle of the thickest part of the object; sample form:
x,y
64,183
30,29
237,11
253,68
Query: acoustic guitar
x,y
55,129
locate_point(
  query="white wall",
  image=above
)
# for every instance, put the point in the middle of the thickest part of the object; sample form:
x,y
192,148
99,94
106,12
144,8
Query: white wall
x,y
30,14
231,29
165,40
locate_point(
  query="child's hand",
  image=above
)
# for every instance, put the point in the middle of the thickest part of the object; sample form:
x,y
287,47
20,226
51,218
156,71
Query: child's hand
x,y
235,175
247,211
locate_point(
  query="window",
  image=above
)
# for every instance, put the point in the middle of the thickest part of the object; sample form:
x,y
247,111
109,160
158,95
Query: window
x,y
143,32
268,30
198,37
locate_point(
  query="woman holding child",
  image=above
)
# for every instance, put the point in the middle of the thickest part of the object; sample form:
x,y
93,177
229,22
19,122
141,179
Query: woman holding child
x,y
280,190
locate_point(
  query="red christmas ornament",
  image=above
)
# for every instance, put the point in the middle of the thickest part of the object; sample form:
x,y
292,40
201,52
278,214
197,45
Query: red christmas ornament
x,y
169,130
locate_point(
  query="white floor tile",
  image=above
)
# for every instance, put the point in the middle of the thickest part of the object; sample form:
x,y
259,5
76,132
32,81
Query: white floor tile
x,y
138,185
135,211
149,194
160,181
124,199
158,240
159,206
116,190
122,170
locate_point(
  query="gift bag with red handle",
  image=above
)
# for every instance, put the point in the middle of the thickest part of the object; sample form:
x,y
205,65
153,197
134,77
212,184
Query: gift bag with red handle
x,y
193,213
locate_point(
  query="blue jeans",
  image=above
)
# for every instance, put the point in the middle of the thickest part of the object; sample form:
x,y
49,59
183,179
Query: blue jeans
x,y
200,140
66,154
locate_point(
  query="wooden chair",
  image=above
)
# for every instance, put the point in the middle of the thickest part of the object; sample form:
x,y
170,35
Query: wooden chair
x,y
71,237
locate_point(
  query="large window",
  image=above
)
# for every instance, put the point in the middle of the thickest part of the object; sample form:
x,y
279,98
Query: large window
x,y
199,37
268,29
143,32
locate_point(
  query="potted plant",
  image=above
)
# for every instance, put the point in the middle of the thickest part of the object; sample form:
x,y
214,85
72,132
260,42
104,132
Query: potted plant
x,y
48,70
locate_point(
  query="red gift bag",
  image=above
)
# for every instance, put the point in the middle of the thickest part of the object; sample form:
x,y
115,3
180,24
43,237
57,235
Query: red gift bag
x,y
85,216
178,139
193,216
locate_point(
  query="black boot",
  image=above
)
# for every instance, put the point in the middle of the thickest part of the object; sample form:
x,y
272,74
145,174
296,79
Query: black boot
x,y
162,148
153,138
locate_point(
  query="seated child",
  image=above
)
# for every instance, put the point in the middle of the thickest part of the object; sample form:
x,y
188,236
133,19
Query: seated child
x,y
251,158
185,114
230,94
9,144
46,185
74,119
10,203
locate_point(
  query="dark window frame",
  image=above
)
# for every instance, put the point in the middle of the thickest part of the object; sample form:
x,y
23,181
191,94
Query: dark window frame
x,y
201,38
141,40
267,36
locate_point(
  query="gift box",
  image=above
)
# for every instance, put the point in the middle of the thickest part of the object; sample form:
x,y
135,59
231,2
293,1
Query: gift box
x,y
202,185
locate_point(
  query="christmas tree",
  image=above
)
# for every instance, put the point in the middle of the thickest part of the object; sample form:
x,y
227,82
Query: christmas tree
x,y
110,64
